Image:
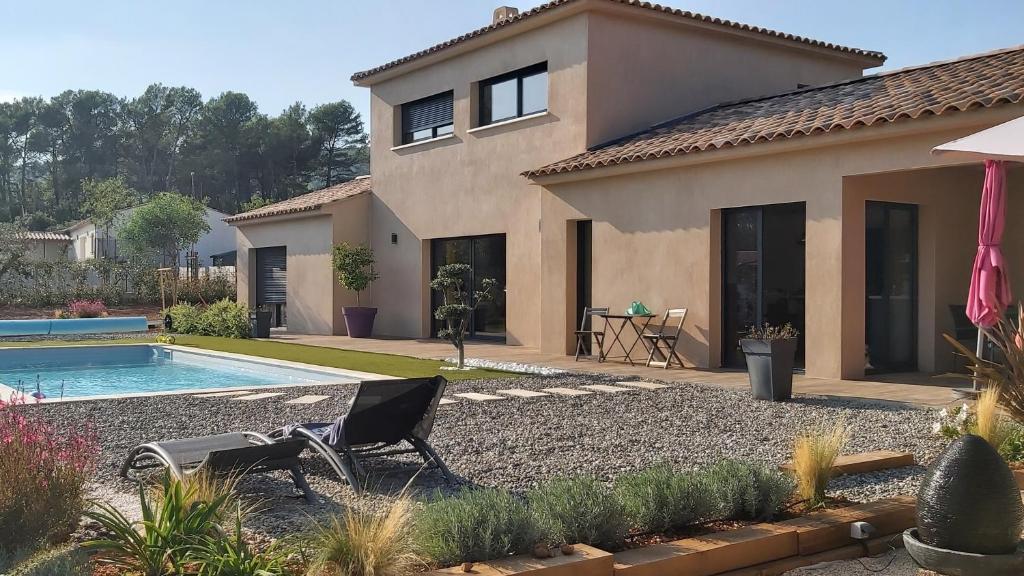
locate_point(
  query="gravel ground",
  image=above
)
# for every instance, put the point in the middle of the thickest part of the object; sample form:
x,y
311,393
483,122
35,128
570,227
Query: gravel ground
x,y
518,441
885,564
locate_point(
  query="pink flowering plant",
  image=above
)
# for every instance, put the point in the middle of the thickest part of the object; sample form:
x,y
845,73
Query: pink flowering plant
x,y
87,309
43,471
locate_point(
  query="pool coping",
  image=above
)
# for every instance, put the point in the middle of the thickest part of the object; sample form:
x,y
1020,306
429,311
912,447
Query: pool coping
x,y
7,393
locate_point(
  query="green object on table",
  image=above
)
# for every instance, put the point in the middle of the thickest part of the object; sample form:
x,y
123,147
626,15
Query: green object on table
x,y
637,308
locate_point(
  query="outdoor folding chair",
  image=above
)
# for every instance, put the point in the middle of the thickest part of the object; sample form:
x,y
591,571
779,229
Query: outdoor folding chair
x,y
232,453
384,414
663,342
584,333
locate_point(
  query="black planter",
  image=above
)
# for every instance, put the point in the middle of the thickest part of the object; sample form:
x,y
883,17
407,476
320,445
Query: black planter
x,y
770,366
260,321
359,320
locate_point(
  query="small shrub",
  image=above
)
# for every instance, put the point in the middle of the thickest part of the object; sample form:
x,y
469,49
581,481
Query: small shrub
x,y
660,499
1012,448
87,309
61,561
226,319
43,470
184,318
578,510
165,339
366,544
747,491
473,526
814,453
985,420
207,289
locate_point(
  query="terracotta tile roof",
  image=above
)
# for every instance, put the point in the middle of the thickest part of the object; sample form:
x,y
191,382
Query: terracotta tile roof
x,y
44,236
980,81
307,202
869,54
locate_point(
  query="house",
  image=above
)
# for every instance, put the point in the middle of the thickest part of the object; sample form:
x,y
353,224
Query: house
x,y
597,152
87,240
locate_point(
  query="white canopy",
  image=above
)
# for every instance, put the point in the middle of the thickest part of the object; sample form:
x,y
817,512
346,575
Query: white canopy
x,y
1002,142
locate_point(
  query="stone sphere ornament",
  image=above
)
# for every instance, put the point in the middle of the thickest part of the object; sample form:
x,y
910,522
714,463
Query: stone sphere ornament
x,y
969,501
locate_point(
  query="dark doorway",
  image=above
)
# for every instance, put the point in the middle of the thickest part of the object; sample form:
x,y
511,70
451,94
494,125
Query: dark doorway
x,y
890,257
584,275
763,255
272,282
486,258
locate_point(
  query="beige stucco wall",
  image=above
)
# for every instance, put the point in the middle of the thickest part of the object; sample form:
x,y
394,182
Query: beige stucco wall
x,y
310,291
470,184
314,296
644,68
656,234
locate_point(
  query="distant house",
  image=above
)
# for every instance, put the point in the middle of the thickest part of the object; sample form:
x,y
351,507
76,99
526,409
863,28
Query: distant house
x,y
87,240
47,246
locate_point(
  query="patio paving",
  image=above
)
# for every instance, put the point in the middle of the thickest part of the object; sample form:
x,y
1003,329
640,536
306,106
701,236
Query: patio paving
x,y
912,388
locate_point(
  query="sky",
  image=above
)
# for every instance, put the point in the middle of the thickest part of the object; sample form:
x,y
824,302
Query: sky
x,y
279,52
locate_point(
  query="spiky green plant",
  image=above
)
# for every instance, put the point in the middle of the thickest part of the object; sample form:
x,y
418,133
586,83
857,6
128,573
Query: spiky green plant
x,y
474,525
578,510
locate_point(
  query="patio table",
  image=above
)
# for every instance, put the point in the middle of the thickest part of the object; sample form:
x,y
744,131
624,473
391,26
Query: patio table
x,y
616,324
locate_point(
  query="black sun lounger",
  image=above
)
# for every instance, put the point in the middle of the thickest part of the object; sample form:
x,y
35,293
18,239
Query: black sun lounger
x,y
235,452
383,415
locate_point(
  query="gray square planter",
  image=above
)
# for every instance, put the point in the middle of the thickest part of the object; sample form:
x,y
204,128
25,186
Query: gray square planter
x,y
770,366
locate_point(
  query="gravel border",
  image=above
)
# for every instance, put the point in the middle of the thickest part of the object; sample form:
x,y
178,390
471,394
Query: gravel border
x,y
515,442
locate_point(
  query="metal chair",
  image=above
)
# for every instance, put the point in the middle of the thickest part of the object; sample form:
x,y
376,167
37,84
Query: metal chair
x,y
663,342
583,333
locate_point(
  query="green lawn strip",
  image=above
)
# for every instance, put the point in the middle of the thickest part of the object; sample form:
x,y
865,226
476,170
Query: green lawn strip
x,y
389,364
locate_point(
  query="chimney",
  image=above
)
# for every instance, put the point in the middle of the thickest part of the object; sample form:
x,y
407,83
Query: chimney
x,y
504,13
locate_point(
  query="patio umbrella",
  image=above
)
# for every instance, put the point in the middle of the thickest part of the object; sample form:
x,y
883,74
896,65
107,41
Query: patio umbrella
x,y
989,293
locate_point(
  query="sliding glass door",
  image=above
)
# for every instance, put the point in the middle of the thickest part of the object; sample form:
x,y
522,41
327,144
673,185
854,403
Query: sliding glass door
x,y
763,257
891,287
486,257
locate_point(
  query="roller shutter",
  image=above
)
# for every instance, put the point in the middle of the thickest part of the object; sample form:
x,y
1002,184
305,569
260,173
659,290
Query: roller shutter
x,y
272,275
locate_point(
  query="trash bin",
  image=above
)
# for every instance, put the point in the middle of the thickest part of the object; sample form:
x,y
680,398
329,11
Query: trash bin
x,y
260,321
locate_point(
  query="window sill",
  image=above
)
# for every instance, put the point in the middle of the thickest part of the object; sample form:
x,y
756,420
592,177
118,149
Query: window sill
x,y
422,142
507,122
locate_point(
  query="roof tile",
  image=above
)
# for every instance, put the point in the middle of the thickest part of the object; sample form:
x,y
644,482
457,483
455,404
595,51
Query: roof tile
x,y
983,81
307,202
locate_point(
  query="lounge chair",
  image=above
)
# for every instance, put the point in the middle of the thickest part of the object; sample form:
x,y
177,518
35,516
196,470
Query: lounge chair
x,y
236,452
383,415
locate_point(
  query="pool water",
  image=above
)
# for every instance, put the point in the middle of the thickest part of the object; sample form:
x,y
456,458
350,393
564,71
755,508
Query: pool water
x,y
76,371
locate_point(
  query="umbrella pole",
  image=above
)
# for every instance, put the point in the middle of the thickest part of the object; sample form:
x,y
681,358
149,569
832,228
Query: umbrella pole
x,y
980,349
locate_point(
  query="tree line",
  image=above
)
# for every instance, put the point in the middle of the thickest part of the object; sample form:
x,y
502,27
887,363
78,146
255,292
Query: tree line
x,y
222,150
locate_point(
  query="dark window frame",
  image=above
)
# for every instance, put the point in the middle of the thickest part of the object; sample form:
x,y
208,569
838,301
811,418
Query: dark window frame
x,y
518,75
408,131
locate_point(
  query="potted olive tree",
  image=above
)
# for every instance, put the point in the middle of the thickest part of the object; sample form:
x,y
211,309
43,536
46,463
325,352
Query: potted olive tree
x,y
771,353
354,267
458,302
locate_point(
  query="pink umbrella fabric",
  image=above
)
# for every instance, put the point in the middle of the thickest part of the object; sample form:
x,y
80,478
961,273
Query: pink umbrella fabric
x,y
989,295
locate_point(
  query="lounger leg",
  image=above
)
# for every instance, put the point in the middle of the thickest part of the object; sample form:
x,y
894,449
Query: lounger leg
x,y
430,457
336,461
300,482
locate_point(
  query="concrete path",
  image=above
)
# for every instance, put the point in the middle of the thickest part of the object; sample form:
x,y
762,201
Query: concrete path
x,y
914,388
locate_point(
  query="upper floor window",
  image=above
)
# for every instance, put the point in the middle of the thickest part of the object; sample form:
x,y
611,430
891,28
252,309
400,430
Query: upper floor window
x,y
427,118
515,94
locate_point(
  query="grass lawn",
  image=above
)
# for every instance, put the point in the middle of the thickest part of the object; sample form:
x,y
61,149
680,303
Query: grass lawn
x,y
389,364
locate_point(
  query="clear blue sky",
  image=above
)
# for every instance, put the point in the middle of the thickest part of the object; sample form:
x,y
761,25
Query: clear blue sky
x,y
282,51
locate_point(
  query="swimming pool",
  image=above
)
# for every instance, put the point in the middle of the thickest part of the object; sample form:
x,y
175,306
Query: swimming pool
x,y
139,369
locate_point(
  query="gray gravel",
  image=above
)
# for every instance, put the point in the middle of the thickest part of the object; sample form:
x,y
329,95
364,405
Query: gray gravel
x,y
517,442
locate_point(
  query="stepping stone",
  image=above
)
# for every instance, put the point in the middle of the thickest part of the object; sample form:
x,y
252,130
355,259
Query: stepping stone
x,y
308,399
644,385
260,396
222,394
479,397
567,391
606,388
444,401
519,392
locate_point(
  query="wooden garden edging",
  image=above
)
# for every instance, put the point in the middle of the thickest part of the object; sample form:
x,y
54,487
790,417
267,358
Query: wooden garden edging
x,y
757,550
1019,475
866,462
